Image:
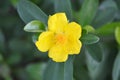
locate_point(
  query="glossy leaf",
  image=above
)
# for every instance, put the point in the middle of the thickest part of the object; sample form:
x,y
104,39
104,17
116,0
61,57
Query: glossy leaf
x,y
29,11
89,39
59,71
89,28
117,35
35,26
63,6
108,29
87,12
105,14
47,6
95,50
100,70
116,68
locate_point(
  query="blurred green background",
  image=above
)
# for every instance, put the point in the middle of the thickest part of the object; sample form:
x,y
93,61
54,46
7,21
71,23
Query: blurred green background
x,y
19,58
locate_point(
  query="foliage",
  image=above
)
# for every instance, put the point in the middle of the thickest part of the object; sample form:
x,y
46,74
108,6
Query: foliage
x,y
100,55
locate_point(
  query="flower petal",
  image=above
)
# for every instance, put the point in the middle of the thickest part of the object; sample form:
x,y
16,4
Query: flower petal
x,y
58,53
45,41
74,46
73,30
57,22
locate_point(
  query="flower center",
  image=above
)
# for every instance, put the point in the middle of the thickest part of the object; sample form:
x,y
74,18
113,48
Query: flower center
x,y
60,38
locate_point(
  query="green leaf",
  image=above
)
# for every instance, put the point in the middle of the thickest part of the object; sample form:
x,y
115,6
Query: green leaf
x,y
116,68
59,71
95,50
118,3
80,68
89,28
14,2
84,32
29,11
35,26
107,29
35,37
117,16
117,35
89,39
87,12
105,14
100,70
63,6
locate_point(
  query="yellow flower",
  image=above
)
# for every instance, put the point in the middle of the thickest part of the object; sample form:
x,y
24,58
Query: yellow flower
x,y
61,39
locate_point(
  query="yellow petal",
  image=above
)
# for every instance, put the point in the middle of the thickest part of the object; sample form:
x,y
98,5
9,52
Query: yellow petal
x,y
73,30
57,22
45,41
58,53
74,46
